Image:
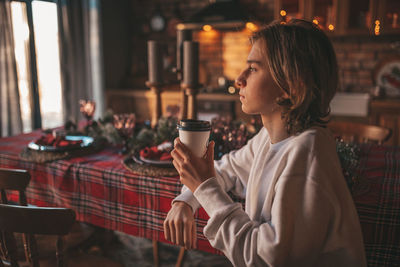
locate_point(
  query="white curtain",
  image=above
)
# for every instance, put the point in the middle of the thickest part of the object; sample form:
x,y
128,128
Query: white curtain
x,y
10,116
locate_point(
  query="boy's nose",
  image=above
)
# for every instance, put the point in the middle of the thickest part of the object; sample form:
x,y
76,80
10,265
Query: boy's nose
x,y
240,81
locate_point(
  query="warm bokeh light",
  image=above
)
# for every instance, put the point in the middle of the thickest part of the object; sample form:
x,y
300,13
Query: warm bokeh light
x,y
331,27
282,13
377,29
207,28
231,89
315,21
180,26
251,26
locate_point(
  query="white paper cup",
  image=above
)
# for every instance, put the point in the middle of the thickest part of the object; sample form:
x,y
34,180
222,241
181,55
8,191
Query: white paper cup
x,y
195,134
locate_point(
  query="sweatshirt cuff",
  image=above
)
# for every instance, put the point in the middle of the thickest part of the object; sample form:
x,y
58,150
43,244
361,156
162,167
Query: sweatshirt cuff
x,y
212,197
187,197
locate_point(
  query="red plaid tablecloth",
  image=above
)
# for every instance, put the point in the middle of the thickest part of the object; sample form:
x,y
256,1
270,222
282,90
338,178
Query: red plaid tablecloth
x,y
100,190
104,193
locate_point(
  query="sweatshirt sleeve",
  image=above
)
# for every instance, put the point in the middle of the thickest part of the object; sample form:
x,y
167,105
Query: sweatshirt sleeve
x,y
299,222
232,171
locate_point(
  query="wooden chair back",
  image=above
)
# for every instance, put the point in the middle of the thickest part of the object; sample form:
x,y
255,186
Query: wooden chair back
x,y
14,179
35,220
359,132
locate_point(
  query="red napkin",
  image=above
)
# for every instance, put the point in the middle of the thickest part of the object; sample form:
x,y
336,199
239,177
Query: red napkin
x,y
59,141
155,154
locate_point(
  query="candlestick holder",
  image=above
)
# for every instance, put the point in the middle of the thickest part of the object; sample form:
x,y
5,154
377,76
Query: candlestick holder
x,y
189,99
156,88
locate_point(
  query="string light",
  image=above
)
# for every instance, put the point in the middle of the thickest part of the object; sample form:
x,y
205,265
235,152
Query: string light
x,y
207,28
282,13
377,27
315,21
331,27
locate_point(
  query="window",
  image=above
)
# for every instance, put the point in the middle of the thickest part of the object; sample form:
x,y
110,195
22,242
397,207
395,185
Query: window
x,y
35,28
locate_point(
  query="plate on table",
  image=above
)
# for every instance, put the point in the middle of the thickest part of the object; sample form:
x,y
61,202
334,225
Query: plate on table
x,y
159,163
86,142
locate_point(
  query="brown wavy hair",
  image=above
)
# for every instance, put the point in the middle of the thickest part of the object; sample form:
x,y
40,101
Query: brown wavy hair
x,y
303,63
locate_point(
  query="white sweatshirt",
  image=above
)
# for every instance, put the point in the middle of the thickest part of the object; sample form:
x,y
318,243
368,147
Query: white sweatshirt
x,y
299,211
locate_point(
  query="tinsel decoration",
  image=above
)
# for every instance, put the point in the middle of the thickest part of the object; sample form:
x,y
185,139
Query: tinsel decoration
x,y
230,135
349,156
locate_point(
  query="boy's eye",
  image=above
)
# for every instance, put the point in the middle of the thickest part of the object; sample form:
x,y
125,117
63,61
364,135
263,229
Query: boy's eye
x,y
251,69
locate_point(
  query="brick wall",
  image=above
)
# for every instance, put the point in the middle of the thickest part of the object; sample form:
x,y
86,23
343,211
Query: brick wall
x,y
225,53
358,57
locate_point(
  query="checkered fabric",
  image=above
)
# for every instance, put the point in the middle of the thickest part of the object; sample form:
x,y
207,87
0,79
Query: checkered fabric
x,y
377,199
104,193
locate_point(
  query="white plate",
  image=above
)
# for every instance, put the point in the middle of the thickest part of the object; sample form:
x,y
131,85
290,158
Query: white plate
x,y
86,141
156,162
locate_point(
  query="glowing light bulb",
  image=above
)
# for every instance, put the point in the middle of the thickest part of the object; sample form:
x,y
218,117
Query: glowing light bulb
x,y
377,29
251,26
207,28
331,27
231,89
282,13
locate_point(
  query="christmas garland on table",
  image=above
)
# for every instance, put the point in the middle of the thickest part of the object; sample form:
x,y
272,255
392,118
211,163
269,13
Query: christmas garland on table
x,y
227,134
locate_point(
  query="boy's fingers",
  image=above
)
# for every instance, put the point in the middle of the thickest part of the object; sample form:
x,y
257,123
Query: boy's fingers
x,y
187,236
194,235
167,233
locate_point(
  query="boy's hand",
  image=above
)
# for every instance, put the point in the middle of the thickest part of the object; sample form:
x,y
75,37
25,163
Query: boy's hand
x,y
180,226
193,170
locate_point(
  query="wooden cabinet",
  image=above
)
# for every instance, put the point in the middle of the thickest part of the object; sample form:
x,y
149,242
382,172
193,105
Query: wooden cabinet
x,y
387,113
344,17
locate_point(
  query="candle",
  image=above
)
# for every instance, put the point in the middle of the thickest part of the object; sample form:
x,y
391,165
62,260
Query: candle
x,y
182,35
191,63
155,62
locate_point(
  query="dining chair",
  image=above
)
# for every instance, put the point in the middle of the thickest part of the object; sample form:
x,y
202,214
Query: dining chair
x,y
18,180
359,132
32,221
14,179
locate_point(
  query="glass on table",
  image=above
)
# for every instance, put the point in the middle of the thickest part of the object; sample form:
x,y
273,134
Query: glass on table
x,y
125,125
87,108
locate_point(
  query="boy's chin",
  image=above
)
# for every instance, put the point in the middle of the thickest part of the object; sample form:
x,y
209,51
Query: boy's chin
x,y
249,111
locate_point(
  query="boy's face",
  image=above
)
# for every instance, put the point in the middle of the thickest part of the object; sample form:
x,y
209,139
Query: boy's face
x,y
258,90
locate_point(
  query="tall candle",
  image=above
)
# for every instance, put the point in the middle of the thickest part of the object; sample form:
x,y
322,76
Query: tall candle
x,y
191,63
182,35
155,62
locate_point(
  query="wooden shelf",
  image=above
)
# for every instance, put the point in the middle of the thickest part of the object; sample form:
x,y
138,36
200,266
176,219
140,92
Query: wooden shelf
x,y
141,102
